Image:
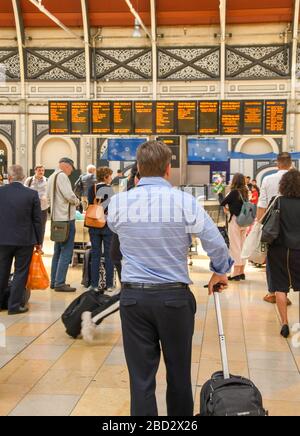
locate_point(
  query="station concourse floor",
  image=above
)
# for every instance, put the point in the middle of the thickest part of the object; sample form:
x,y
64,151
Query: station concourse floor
x,y
45,373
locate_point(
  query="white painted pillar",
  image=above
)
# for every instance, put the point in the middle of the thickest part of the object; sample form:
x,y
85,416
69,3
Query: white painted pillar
x,y
293,103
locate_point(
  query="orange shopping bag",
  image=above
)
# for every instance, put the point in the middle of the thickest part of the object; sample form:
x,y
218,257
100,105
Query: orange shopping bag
x,y
38,278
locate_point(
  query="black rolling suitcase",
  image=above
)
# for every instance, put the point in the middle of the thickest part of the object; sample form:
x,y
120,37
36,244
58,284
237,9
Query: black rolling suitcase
x,y
225,394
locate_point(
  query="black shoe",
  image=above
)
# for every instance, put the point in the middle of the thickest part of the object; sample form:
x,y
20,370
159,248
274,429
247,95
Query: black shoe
x,y
234,279
19,311
65,288
285,331
53,286
243,277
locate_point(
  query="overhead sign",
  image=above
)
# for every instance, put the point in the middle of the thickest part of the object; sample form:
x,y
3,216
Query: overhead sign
x,y
191,118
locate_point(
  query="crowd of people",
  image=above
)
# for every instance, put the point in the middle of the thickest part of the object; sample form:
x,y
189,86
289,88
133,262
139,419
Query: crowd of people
x,y
137,218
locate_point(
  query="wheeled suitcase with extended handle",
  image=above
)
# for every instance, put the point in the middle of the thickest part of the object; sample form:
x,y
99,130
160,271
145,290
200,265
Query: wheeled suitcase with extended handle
x,y
225,394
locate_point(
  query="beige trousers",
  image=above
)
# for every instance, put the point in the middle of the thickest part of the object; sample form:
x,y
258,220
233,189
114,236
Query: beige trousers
x,y
237,237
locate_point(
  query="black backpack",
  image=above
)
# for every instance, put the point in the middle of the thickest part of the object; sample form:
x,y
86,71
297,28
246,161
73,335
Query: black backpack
x,y
236,396
90,301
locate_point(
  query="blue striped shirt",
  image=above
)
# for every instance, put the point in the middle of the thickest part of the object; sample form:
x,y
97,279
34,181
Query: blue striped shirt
x,y
154,223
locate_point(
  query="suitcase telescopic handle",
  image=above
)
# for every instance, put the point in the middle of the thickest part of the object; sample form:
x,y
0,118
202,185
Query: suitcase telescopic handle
x,y
222,339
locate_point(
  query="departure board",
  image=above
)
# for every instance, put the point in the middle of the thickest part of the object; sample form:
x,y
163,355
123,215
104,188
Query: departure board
x,y
208,118
275,117
80,117
122,118
253,117
231,117
143,117
165,117
101,117
187,118
58,117
173,142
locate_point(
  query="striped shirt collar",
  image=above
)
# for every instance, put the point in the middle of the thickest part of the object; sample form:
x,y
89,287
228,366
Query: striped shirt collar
x,y
154,181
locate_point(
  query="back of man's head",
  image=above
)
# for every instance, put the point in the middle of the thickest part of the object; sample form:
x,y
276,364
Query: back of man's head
x,y
16,174
153,159
91,169
284,161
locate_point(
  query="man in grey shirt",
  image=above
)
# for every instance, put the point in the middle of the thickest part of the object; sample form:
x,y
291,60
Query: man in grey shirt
x,y
38,183
63,204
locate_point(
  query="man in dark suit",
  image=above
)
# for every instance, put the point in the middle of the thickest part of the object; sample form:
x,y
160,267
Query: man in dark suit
x,y
20,231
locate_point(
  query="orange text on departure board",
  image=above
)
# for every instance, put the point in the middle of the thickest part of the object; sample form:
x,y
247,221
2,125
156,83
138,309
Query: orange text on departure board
x,y
101,117
59,117
165,112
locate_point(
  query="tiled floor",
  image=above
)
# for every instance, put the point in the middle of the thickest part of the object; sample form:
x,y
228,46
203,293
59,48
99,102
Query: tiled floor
x,y
44,372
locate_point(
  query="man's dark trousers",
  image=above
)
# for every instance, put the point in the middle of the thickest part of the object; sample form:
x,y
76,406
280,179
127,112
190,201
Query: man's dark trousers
x,y
155,320
22,256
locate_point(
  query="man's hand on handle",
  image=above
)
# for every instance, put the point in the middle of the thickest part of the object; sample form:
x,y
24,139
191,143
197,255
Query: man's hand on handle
x,y
215,280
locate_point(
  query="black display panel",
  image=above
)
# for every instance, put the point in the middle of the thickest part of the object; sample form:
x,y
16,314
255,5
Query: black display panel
x,y
143,117
173,142
208,118
231,117
59,118
122,118
275,117
165,117
187,118
101,117
253,117
80,117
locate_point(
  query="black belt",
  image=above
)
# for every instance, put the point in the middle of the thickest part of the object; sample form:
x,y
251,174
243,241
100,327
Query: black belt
x,y
159,286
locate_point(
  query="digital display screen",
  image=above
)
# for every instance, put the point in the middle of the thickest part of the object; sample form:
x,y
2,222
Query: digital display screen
x,y
208,118
165,117
123,149
173,142
122,118
101,117
253,118
231,117
80,117
207,150
275,117
58,118
187,118
143,116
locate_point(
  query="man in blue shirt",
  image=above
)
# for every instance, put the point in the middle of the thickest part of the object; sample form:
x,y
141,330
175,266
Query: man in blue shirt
x,y
154,223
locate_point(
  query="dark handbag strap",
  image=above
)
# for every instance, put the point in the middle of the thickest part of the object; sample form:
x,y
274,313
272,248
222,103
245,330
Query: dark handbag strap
x,y
54,194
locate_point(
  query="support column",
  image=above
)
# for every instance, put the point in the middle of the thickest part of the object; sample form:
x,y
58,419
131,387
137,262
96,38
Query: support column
x,y
223,47
293,103
22,146
154,49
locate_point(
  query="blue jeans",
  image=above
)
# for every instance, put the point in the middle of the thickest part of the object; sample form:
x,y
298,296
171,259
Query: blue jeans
x,y
99,237
62,258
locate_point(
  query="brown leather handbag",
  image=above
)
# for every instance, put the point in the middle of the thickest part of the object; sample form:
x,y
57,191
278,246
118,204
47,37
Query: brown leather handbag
x,y
95,217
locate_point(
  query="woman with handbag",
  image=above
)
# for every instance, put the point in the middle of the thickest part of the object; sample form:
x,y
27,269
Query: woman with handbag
x,y
284,252
237,235
101,192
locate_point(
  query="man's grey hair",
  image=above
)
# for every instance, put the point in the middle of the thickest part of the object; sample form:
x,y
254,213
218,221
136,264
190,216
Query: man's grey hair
x,y
90,168
16,173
